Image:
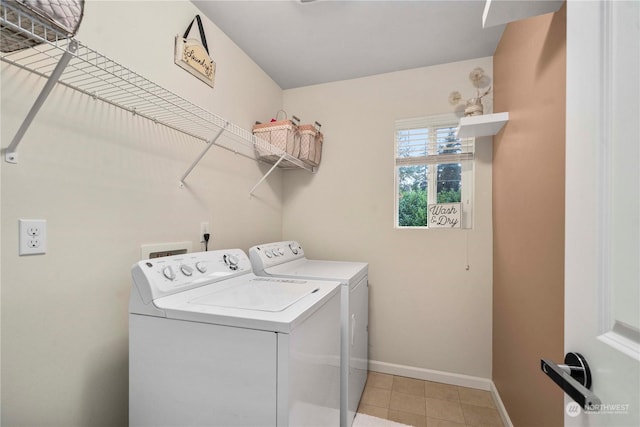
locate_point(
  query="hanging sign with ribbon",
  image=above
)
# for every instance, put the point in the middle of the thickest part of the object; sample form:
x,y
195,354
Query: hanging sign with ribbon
x,y
193,55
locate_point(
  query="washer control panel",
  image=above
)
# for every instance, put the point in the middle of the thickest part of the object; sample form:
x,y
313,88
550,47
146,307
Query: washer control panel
x,y
158,277
270,254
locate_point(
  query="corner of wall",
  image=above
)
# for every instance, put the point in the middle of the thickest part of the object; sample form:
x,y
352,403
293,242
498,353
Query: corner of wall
x,y
528,248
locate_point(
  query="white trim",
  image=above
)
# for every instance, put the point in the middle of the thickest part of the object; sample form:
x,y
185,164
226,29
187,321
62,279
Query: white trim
x,y
435,120
603,171
623,344
431,375
500,406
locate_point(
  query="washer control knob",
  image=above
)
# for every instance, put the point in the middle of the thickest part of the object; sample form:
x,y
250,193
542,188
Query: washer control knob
x,y
231,261
201,266
186,270
294,248
280,251
169,273
268,253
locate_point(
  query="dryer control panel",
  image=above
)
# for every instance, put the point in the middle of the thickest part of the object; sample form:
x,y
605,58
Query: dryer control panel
x,y
159,277
270,254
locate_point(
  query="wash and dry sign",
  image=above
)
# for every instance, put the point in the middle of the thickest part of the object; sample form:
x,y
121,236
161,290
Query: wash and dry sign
x,y
193,55
444,215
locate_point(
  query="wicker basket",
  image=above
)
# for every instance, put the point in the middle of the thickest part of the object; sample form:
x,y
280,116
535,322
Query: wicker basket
x,y
319,140
280,135
62,16
310,144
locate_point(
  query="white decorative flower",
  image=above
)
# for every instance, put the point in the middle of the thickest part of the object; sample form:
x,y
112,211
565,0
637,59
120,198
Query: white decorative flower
x,y
476,76
455,97
482,84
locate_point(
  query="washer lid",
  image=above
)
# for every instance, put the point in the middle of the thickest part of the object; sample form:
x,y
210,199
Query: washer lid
x,y
249,307
343,271
262,294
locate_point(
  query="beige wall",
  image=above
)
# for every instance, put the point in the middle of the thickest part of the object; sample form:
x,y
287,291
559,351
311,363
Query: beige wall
x,y
427,313
107,182
528,217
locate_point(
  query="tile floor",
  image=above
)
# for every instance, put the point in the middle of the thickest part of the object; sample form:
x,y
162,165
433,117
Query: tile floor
x,y
427,404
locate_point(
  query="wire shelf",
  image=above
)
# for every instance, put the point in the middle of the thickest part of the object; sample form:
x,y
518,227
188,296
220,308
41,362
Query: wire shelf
x,y
100,77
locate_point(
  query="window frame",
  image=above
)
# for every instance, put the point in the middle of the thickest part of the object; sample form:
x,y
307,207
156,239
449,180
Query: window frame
x,y
466,160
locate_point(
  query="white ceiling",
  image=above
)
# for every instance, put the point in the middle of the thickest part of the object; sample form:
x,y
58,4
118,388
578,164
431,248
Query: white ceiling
x,y
305,43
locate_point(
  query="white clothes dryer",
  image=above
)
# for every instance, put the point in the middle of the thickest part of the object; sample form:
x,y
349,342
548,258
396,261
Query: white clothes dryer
x,y
287,260
212,344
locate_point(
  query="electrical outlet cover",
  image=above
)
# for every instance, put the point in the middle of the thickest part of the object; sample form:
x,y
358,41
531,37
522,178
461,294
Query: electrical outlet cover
x,y
32,236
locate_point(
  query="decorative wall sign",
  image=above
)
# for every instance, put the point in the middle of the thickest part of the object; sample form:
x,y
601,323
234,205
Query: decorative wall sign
x,y
193,55
444,215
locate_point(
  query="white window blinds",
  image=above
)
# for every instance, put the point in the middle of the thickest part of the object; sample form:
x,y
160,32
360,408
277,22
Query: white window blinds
x,y
431,140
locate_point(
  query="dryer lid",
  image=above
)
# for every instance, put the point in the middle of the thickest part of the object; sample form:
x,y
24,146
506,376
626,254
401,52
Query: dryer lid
x,y
263,294
343,271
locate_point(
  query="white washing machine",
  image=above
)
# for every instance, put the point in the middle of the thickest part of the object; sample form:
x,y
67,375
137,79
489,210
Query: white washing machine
x,y
287,259
212,344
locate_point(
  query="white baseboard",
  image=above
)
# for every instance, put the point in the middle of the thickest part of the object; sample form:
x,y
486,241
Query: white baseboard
x,y
500,406
430,375
446,378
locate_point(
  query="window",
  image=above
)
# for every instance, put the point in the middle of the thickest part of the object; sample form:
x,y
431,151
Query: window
x,y
432,166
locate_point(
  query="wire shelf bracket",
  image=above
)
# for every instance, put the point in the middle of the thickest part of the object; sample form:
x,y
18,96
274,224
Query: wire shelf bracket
x,y
10,154
197,160
267,174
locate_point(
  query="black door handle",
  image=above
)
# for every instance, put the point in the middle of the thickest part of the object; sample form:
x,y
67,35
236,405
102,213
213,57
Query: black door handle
x,y
574,377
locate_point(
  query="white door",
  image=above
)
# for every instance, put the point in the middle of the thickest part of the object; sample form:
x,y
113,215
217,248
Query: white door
x,y
602,269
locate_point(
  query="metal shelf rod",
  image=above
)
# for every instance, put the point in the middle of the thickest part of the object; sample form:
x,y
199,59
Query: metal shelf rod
x,y
197,160
10,155
266,174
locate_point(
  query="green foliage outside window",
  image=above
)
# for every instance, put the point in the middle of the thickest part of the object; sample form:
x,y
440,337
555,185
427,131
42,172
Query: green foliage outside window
x,y
449,196
412,211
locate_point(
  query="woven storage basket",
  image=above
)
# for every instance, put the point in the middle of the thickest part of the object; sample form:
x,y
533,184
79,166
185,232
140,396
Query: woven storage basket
x,y
318,143
308,145
281,134
63,16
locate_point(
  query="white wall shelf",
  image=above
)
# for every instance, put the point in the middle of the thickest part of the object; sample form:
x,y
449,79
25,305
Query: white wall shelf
x,y
68,62
483,125
502,12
